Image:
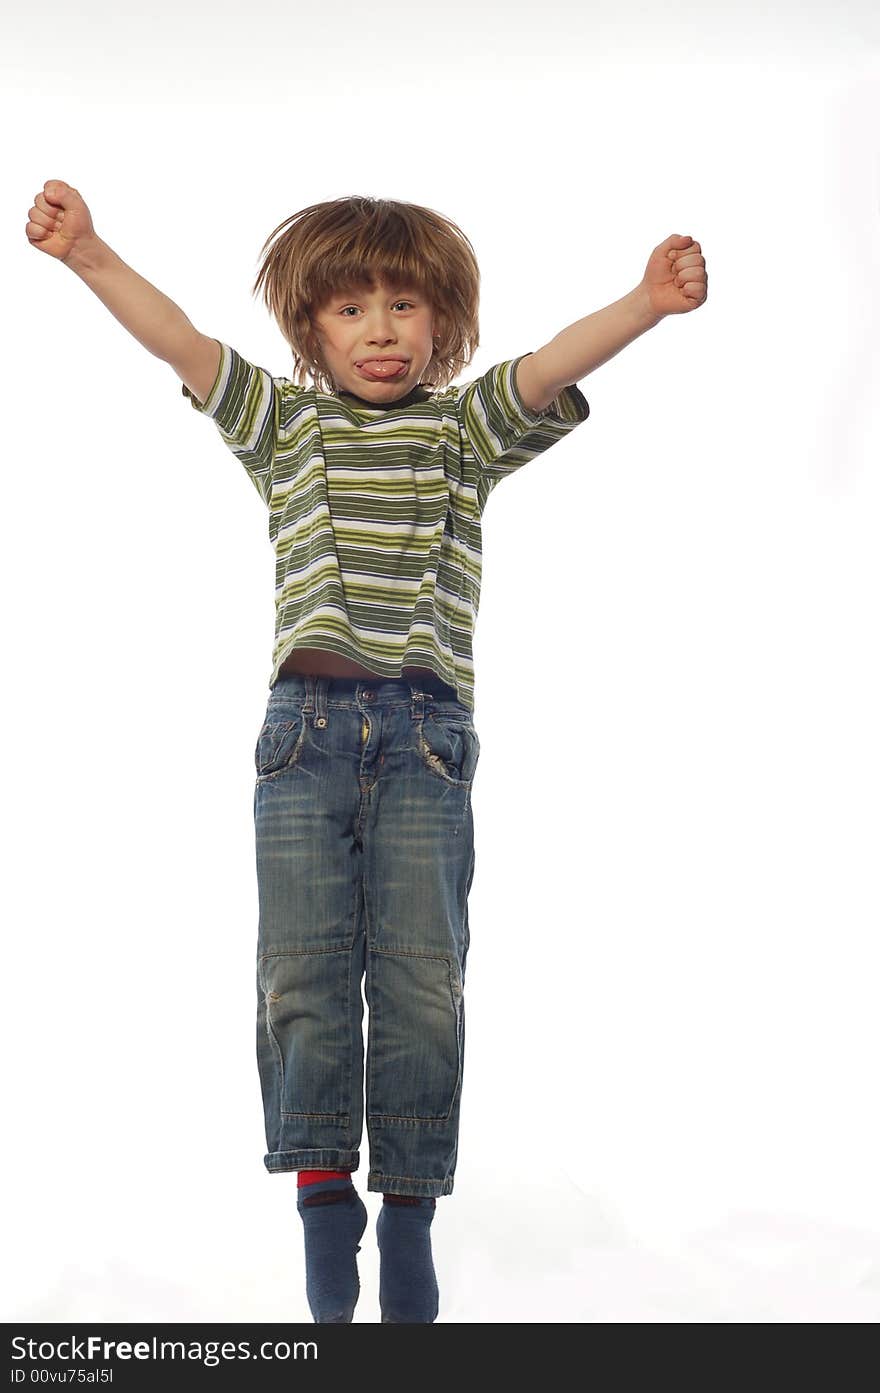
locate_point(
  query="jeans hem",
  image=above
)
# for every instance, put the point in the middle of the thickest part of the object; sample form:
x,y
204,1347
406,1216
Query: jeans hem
x,y
408,1185
320,1159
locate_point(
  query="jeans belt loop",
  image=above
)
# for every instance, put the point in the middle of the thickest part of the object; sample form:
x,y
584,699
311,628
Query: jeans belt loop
x,y
309,701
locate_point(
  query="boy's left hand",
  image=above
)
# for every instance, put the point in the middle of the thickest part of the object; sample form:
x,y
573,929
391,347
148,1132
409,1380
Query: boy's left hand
x,y
675,279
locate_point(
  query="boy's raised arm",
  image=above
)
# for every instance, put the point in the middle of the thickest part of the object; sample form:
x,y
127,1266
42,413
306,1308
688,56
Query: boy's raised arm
x,y
675,282
61,225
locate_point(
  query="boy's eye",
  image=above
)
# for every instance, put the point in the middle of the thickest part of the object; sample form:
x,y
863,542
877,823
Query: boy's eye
x,y
397,302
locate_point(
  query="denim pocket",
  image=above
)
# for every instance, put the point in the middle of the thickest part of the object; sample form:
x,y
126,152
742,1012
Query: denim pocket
x,y
278,746
449,746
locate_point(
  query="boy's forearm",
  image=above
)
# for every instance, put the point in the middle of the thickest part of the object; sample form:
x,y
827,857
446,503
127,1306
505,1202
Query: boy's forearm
x,y
154,320
590,342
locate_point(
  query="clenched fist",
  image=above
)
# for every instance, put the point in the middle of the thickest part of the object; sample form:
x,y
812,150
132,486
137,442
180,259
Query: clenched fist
x,y
59,220
675,279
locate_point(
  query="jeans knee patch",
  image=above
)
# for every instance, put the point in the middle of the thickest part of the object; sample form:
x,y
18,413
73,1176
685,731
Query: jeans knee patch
x,y
415,1036
307,1022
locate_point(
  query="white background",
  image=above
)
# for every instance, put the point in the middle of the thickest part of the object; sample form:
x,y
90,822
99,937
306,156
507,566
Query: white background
x,y
670,1099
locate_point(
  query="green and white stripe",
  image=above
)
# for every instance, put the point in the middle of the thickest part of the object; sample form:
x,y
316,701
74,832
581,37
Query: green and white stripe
x,y
375,510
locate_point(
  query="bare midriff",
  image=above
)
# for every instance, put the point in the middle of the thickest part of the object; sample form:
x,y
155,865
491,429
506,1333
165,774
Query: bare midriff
x,y
322,663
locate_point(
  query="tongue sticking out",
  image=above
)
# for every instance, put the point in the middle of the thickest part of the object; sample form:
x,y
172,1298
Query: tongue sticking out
x,y
392,367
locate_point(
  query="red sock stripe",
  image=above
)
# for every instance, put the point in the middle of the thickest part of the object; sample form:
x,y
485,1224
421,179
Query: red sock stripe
x,y
312,1177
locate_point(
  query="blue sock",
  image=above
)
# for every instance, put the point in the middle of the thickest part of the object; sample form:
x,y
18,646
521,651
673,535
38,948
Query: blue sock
x,y
408,1292
334,1218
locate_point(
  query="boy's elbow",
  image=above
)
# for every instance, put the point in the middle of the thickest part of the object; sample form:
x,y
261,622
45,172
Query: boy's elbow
x,y
197,364
534,388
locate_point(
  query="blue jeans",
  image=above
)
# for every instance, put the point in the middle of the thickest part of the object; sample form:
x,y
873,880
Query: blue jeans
x,y
365,858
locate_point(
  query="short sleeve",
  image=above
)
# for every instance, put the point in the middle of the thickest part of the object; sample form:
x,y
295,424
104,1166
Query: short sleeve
x,y
502,432
243,404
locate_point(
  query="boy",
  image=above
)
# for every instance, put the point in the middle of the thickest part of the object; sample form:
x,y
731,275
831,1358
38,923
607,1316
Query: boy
x,y
376,478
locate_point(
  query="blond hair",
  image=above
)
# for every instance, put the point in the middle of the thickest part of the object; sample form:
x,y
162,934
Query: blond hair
x,y
353,242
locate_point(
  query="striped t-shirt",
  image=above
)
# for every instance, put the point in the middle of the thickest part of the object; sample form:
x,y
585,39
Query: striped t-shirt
x,y
375,509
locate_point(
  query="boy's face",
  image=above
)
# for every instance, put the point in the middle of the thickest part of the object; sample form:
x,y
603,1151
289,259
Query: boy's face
x,y
357,326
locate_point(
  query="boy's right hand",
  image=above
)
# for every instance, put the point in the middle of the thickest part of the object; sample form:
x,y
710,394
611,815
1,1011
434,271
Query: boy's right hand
x,y
59,220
